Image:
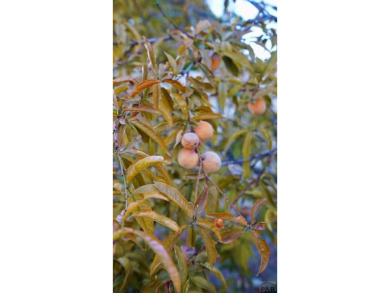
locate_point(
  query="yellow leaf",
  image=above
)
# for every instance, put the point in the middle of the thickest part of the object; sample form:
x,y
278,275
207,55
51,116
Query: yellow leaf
x,y
130,208
176,197
201,200
143,85
169,243
210,226
149,50
172,62
156,95
191,237
138,165
142,108
167,222
152,134
263,249
182,264
204,284
216,272
177,84
210,246
159,249
182,104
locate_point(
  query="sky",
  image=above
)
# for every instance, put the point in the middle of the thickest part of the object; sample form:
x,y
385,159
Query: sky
x,y
247,11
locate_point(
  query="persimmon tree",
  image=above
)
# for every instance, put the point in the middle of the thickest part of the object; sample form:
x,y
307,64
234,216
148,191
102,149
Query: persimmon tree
x,y
194,146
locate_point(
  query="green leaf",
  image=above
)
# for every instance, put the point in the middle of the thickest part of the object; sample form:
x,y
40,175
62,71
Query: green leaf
x,y
167,222
191,237
141,164
181,263
222,95
256,208
152,134
216,272
182,104
172,62
246,147
176,197
210,246
125,263
234,137
233,69
263,249
203,284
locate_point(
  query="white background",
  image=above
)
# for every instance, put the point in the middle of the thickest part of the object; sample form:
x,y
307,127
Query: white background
x,y
56,144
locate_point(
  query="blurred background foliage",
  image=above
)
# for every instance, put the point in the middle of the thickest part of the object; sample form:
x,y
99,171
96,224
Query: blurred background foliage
x,y
205,69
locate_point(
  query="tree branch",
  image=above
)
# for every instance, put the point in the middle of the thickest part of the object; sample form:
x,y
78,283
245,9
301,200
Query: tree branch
x,y
254,157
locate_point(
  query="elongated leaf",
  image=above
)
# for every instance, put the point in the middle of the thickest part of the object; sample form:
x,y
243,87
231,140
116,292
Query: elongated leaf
x,y
238,58
203,283
209,226
149,50
176,197
159,249
145,188
143,85
120,89
166,112
156,95
234,137
191,237
176,83
201,200
142,108
210,246
152,134
143,163
232,235
125,263
263,249
182,104
123,79
216,272
233,69
169,243
229,217
157,195
167,222
172,62
130,208
256,208
181,263
207,116
246,146
222,95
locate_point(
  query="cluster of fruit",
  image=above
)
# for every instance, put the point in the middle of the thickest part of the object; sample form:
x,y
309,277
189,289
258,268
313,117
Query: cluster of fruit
x,y
189,158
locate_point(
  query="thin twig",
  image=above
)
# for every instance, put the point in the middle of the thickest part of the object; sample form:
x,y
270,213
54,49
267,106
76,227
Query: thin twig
x,y
171,22
224,196
257,156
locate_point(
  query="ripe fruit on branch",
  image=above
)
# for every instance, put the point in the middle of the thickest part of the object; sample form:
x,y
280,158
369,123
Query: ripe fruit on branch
x,y
190,140
258,106
211,161
218,223
204,130
215,61
188,158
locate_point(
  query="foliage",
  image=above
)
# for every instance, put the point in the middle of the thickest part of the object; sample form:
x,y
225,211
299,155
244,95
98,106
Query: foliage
x,y
174,228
